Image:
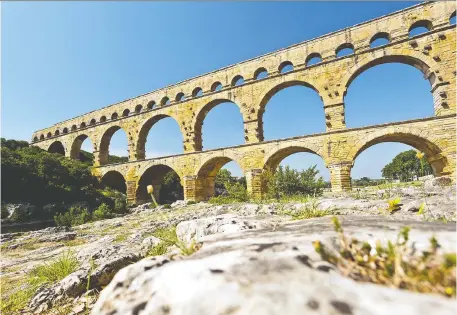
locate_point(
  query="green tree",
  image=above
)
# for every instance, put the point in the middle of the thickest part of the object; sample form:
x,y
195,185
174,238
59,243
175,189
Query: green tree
x,y
171,189
405,166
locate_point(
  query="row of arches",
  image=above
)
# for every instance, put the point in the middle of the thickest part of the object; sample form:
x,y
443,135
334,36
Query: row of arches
x,y
378,39
286,101
206,173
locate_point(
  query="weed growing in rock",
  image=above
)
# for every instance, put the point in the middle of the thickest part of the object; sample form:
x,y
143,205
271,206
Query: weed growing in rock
x,y
394,205
310,210
169,238
54,271
120,238
395,265
17,300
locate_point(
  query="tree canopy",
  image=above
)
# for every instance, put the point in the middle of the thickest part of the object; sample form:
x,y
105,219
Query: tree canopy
x,y
405,166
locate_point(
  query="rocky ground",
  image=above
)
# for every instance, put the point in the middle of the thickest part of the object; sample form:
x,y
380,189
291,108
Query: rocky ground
x,y
250,259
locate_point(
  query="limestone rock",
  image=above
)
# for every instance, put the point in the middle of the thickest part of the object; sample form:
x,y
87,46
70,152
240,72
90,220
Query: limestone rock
x,y
270,271
437,184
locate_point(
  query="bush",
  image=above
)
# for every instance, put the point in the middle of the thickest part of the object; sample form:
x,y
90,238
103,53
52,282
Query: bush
x,y
102,212
4,211
289,182
74,216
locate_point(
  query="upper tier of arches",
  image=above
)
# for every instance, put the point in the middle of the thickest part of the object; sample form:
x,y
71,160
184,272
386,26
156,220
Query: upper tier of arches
x,y
222,81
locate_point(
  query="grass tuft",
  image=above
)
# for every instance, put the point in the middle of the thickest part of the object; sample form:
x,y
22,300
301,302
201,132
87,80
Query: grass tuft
x,y
55,270
396,265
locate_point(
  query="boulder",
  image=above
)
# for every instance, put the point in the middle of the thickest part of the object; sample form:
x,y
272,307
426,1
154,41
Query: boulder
x,y
437,184
270,271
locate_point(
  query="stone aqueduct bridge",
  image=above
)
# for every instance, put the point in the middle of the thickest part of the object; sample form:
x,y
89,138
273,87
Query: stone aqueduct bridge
x,y
188,102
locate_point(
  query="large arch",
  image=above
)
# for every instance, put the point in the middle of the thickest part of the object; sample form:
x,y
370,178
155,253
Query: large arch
x,y
105,143
206,175
410,137
271,92
75,151
144,131
412,60
200,117
273,159
115,180
155,175
57,147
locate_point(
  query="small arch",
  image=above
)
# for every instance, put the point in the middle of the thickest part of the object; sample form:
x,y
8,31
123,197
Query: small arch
x,y
197,92
73,128
83,125
92,122
42,137
313,58
420,27
150,105
65,130
114,180
217,86
261,73
452,19
57,132
103,119
237,80
344,50
57,147
155,175
49,135
126,112
35,138
165,101
379,39
179,97
286,66
138,108
114,116
208,171
273,160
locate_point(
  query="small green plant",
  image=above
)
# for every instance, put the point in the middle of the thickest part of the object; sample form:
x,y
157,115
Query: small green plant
x,y
74,216
191,202
18,300
393,205
166,206
169,238
309,211
421,208
102,212
397,264
54,271
120,238
93,266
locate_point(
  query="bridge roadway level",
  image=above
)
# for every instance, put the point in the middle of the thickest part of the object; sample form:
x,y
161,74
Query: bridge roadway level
x,y
435,136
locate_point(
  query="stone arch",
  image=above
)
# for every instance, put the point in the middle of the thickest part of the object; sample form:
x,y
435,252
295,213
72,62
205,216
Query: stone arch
x,y
200,117
237,80
416,60
57,147
35,139
152,175
138,108
206,174
271,91
92,122
73,128
421,23
379,35
105,140
114,180
179,97
49,135
150,105
259,72
165,101
416,139
75,150
342,47
126,112
57,132
313,56
197,92
282,67
216,86
144,131
65,130
275,157
82,125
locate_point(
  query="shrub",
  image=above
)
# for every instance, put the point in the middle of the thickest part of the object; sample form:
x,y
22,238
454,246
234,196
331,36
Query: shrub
x,y
4,211
102,212
74,216
288,182
395,265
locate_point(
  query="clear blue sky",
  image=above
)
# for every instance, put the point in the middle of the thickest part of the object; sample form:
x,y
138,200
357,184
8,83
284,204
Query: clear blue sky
x,y
60,60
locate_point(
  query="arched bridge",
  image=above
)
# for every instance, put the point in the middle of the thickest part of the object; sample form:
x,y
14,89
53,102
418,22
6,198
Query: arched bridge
x,y
432,52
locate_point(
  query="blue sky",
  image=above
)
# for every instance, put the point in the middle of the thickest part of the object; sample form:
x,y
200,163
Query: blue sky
x,y
60,60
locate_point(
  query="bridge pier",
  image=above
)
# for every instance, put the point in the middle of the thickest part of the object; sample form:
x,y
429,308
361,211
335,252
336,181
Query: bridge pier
x,y
255,183
340,176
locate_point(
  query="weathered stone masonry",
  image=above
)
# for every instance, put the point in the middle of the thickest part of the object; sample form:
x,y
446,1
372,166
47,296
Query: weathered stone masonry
x,y
188,102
